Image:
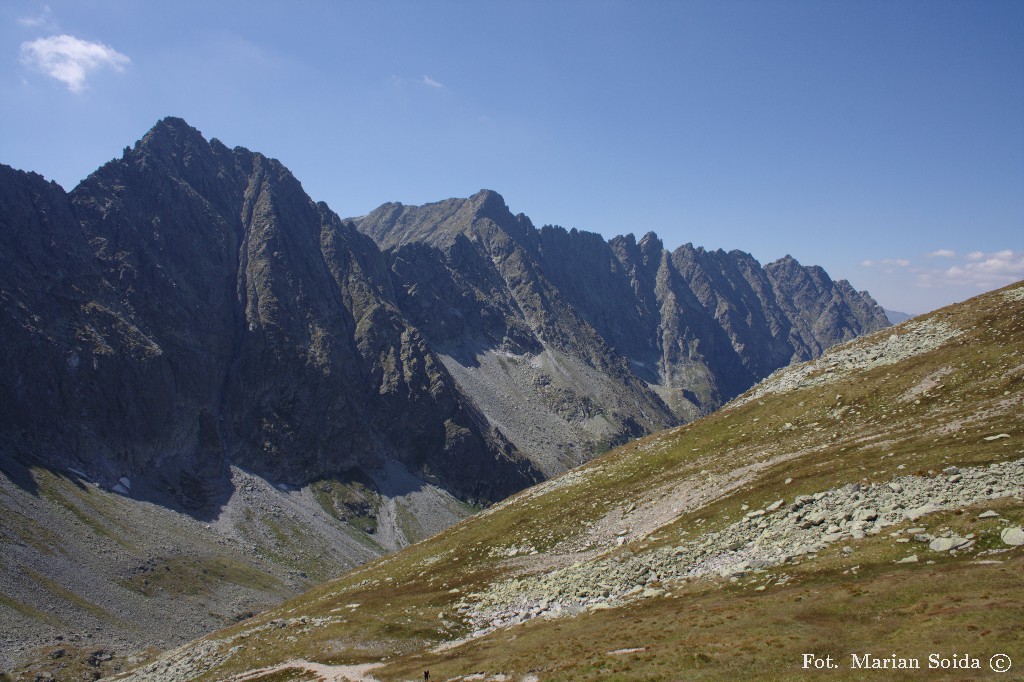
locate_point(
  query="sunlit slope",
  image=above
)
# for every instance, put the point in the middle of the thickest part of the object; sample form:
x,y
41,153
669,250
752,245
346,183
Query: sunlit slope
x,y
839,507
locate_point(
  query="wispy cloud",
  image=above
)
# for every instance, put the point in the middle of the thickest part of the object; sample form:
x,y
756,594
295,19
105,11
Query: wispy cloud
x,y
941,276
430,82
42,20
980,271
70,60
887,265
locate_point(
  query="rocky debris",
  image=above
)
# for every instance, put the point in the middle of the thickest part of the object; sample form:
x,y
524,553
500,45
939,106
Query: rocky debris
x,y
762,539
879,350
167,577
1016,294
100,656
184,663
949,544
189,661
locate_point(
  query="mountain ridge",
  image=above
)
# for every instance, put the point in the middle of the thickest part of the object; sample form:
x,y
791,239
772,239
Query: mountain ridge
x,y
686,330
253,213
190,336
198,305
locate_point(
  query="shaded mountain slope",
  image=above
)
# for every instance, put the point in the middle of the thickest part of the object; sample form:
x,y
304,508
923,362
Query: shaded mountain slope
x,y
866,502
513,341
205,311
671,335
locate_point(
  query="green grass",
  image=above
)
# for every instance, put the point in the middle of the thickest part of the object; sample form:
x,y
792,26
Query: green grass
x,y
67,595
721,631
30,611
185,575
408,524
353,500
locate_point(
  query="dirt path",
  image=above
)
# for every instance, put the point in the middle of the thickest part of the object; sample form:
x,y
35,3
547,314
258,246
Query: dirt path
x,y
326,673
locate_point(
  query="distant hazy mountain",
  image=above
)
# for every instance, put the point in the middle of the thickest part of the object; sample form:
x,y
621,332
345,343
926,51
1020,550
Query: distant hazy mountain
x,y
895,316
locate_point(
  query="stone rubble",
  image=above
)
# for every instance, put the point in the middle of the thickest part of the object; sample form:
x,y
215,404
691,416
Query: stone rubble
x,y
878,350
762,539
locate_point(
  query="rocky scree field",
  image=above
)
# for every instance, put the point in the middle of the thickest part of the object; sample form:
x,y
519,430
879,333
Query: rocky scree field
x,y
868,502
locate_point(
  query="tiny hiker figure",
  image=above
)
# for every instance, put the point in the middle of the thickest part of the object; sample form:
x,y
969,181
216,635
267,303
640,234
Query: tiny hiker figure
x,y
426,675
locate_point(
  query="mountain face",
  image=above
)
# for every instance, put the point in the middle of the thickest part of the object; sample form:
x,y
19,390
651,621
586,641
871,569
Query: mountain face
x,y
572,343
300,393
188,307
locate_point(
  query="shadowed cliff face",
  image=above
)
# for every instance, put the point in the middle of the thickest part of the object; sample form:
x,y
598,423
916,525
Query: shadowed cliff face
x,y
671,335
188,305
474,278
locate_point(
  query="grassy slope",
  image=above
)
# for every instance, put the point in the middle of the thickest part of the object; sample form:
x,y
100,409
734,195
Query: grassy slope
x,y
869,425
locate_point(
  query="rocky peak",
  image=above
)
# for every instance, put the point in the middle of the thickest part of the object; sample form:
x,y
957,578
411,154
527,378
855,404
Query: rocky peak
x,y
173,143
651,241
489,204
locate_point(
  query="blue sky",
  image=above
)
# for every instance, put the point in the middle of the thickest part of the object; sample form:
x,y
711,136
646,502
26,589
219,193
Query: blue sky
x,y
881,140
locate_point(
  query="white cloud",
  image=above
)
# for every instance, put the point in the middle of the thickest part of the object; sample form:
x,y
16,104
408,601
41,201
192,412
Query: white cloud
x,y
430,82
942,253
70,60
902,262
867,263
43,19
979,271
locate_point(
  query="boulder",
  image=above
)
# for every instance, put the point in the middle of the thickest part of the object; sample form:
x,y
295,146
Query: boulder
x,y
1013,535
